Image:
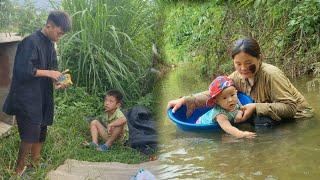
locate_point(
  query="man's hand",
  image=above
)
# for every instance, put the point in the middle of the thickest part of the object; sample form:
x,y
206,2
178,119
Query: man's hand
x,y
54,74
60,86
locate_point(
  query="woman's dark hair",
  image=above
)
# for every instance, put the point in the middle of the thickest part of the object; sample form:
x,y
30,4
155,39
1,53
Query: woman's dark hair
x,y
60,19
247,45
116,94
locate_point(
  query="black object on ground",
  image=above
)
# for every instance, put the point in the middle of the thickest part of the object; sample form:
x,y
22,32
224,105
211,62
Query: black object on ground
x,y
143,135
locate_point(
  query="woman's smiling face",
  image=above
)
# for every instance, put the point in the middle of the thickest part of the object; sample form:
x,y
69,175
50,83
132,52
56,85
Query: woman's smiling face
x,y
246,64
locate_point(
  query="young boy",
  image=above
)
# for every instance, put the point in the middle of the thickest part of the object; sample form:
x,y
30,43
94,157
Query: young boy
x,y
112,126
226,107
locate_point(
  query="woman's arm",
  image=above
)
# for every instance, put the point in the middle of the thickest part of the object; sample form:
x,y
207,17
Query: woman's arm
x,y
274,94
195,101
192,102
282,103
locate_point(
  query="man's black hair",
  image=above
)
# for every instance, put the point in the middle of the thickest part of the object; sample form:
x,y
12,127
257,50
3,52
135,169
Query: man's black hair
x,y
60,19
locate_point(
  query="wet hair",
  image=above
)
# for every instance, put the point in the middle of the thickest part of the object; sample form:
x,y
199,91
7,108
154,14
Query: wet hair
x,y
60,19
247,45
116,94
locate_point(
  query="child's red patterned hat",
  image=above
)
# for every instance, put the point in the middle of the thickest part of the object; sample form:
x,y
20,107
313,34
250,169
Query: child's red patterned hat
x,y
217,86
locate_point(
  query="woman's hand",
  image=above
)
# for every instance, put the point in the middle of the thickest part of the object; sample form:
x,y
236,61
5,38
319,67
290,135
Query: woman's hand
x,y
176,104
250,110
239,116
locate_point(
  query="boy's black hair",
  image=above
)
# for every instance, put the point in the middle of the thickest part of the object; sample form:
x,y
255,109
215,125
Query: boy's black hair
x,y
60,19
115,93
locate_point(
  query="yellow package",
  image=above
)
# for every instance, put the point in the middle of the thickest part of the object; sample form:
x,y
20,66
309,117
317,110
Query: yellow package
x,y
65,78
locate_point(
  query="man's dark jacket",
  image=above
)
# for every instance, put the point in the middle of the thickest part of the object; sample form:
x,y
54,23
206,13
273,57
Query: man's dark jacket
x,y
30,97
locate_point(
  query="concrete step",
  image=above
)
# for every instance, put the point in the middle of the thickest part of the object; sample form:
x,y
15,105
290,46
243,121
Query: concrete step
x,y
73,169
4,129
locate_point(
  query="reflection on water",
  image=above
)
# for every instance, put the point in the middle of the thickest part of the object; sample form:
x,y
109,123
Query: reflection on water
x,y
288,151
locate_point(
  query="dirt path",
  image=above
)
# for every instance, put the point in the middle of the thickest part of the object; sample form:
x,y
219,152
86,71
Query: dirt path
x,y
78,170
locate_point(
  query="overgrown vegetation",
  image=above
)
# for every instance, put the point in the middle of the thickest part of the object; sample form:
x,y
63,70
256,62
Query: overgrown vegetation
x,y
288,32
22,18
110,45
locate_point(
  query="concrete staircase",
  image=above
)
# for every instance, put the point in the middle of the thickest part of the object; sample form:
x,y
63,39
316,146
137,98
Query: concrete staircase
x,y
81,170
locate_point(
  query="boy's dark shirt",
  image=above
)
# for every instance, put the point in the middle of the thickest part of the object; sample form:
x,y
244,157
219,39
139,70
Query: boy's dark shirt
x,y
31,97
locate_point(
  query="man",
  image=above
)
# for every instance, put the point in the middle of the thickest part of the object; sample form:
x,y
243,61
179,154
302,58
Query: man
x,y
30,97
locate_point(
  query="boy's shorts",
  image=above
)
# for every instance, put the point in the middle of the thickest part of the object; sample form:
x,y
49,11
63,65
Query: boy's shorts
x,y
32,133
123,136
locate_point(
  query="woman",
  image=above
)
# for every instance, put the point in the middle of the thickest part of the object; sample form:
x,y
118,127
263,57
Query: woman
x,y
274,95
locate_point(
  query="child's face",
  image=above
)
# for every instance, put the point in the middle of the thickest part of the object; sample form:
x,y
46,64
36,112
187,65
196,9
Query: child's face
x,y
228,98
111,103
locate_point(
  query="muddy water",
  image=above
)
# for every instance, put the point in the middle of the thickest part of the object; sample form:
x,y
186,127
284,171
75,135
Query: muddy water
x,y
288,151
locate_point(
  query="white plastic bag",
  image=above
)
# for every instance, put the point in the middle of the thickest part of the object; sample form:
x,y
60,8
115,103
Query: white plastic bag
x,y
143,175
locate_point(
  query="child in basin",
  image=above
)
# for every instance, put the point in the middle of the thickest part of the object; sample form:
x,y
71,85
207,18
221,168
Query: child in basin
x,y
112,125
227,108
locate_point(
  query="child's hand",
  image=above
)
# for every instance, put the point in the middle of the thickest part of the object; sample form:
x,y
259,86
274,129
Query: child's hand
x,y
247,134
109,128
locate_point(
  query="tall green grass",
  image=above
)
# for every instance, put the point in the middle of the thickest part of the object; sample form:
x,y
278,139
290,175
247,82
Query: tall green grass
x,y
110,44
21,17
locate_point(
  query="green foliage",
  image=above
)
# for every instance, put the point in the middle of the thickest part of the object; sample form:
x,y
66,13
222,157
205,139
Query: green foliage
x,y
196,31
29,18
77,99
143,101
6,16
22,18
305,17
110,45
288,32
315,82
